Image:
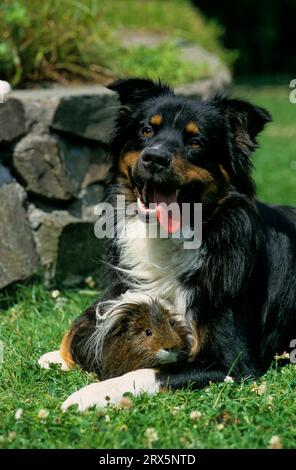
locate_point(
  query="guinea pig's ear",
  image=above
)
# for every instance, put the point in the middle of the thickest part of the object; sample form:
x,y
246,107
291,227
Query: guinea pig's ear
x,y
133,91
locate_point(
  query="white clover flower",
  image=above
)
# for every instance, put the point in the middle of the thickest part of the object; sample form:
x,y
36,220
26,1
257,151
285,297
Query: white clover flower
x,y
18,414
228,379
220,426
43,414
175,410
151,435
55,294
275,443
269,400
195,415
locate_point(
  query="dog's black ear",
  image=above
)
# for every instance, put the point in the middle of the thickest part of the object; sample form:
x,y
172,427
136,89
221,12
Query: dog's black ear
x,y
245,121
133,91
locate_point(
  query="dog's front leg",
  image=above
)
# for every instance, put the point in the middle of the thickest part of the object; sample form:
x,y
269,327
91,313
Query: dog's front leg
x,y
143,380
111,391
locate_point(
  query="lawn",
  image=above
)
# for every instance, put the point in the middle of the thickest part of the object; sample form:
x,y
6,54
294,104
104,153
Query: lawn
x,y
226,415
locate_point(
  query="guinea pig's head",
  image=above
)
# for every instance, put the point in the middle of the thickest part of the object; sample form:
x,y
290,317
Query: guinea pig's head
x,y
153,333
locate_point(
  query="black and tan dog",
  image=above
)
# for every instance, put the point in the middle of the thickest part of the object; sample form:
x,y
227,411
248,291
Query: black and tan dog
x,y
239,286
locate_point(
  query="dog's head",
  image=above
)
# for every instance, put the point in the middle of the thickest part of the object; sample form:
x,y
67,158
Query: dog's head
x,y
173,149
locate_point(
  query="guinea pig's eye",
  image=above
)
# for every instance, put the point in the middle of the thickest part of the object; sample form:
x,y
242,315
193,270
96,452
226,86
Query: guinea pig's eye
x,y
147,131
195,143
148,333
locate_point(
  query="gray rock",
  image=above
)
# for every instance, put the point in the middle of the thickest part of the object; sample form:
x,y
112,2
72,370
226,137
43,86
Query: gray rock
x,y
88,116
50,166
12,120
5,175
67,246
98,169
219,78
18,258
39,112
84,111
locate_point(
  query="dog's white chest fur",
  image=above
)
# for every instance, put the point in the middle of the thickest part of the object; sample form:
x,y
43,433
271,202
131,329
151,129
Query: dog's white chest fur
x,y
153,265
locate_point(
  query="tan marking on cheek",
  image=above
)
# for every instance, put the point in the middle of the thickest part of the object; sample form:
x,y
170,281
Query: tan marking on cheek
x,y
65,348
192,127
224,174
189,173
198,174
156,119
126,191
128,160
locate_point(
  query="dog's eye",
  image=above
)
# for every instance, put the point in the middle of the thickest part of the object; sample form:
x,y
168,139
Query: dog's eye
x,y
147,131
194,143
148,333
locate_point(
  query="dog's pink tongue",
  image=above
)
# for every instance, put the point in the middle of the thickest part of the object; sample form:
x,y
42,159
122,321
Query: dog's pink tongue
x,y
169,220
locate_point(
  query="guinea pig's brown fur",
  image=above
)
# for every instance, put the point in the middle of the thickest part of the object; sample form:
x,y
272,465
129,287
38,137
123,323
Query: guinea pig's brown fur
x,y
144,335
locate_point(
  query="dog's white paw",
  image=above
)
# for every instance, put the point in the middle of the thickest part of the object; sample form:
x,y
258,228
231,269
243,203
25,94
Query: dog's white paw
x,y
112,390
52,357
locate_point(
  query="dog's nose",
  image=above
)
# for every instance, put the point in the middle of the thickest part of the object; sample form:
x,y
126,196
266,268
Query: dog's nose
x,y
156,158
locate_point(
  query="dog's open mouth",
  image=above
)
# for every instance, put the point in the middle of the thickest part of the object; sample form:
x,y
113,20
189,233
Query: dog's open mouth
x,y
155,201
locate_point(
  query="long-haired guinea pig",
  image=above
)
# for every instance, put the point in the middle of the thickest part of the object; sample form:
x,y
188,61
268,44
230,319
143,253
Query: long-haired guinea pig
x,y
144,335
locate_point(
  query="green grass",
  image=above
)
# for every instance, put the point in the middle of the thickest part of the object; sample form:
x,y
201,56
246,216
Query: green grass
x,y
232,415
35,45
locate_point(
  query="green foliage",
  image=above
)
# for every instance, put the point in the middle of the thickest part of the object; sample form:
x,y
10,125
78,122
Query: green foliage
x,y
67,40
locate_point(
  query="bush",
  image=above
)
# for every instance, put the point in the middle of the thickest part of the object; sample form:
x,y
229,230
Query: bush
x,y
66,40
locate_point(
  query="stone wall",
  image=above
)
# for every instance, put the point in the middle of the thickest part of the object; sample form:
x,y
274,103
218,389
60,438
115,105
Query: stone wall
x,y
53,165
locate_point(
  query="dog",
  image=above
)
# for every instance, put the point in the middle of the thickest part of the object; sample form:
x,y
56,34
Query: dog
x,y
238,287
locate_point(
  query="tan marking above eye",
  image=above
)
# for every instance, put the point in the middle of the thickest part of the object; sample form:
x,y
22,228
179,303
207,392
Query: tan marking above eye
x,y
192,128
156,119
